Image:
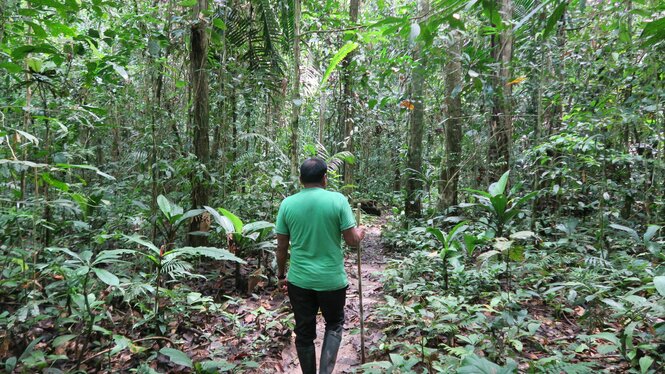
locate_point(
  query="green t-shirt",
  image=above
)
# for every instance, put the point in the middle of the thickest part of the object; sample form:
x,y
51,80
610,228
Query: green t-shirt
x,y
314,220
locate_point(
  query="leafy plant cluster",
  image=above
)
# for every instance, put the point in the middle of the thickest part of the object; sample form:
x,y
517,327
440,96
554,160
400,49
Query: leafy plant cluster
x,y
473,300
85,308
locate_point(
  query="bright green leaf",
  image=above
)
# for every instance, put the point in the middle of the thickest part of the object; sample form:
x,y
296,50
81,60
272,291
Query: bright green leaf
x,y
177,356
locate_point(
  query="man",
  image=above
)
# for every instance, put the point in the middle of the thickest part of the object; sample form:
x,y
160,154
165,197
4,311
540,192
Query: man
x,y
315,220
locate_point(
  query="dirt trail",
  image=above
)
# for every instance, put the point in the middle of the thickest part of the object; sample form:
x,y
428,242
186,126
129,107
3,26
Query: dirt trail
x,y
373,263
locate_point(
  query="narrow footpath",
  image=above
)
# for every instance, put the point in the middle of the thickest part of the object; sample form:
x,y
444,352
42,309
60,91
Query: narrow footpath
x,y
373,263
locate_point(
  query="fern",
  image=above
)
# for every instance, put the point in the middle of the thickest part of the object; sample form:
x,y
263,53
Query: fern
x,y
337,58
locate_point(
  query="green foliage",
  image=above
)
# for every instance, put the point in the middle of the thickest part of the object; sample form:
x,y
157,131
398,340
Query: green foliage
x,y
502,206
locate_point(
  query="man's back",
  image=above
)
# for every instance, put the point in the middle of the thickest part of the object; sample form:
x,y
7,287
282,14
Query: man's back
x,y
314,219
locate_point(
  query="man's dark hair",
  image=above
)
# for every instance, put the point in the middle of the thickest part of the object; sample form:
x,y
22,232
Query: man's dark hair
x,y
313,170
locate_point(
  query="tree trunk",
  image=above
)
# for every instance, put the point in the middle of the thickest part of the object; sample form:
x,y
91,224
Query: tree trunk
x,y
413,203
296,99
501,122
450,168
348,121
198,57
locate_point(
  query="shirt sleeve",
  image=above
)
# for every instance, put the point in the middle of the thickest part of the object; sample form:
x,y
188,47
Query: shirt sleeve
x,y
347,220
280,225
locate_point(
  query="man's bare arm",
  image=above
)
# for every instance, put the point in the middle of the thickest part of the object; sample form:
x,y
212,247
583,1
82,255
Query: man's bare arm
x,y
353,236
282,253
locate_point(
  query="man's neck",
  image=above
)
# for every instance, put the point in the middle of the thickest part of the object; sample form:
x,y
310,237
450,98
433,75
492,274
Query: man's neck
x,y
313,185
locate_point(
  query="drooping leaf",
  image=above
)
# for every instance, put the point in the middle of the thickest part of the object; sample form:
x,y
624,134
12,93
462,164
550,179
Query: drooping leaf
x,y
337,58
187,215
138,240
164,205
631,232
554,18
222,221
86,167
210,252
62,186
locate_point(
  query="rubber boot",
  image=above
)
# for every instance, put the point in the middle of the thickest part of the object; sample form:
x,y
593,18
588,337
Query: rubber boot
x,y
331,341
307,358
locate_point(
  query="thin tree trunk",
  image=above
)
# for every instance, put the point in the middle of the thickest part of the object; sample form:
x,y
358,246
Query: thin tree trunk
x,y
322,116
296,99
450,168
348,121
501,123
413,204
198,58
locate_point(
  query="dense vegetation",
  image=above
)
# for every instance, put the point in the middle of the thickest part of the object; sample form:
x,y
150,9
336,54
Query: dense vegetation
x,y
517,146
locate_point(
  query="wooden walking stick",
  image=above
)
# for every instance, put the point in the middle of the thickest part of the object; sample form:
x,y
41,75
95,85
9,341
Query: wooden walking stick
x,y
360,297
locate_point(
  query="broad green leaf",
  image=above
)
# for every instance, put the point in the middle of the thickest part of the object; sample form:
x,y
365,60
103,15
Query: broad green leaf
x,y
659,283
554,18
138,240
516,253
107,277
437,234
499,204
210,252
62,186
222,221
11,67
164,205
28,350
337,58
177,356
22,51
237,223
218,23
478,192
498,188
457,230
651,232
645,363
189,214
257,226
487,255
121,71
111,256
615,304
29,137
473,364
522,235
631,232
62,339
86,167
67,251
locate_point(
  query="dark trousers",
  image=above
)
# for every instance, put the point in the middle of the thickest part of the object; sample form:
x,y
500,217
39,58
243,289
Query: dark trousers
x,y
306,304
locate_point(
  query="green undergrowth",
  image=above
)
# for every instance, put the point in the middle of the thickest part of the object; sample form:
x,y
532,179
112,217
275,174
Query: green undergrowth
x,y
532,303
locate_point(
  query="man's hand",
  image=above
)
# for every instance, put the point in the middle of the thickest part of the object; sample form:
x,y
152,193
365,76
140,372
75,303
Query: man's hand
x,y
354,235
281,285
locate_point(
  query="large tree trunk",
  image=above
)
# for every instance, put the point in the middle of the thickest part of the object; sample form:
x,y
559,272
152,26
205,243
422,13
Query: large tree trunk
x,y
501,122
413,204
296,99
450,168
198,57
347,97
